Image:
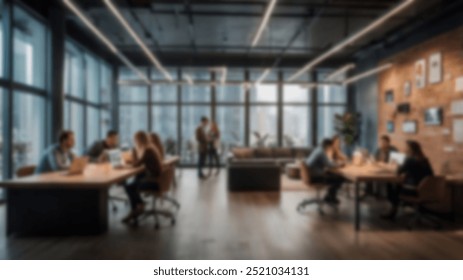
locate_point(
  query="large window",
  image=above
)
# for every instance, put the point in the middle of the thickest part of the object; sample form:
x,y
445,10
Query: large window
x,y
244,119
132,118
164,123
28,49
2,152
28,128
88,89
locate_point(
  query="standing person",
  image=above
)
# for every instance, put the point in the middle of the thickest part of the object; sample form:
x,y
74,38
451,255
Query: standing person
x,y
413,171
214,142
96,152
58,156
337,155
158,144
384,149
201,139
148,156
319,165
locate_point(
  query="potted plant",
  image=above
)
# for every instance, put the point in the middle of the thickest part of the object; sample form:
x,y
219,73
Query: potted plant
x,y
347,126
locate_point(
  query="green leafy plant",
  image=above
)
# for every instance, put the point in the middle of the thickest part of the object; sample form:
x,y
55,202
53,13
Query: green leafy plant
x,y
347,126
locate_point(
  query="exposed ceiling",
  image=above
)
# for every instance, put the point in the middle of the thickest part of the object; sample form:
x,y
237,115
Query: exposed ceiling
x,y
219,32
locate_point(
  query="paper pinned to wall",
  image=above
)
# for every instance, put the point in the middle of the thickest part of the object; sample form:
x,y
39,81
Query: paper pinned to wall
x,y
457,107
459,84
458,131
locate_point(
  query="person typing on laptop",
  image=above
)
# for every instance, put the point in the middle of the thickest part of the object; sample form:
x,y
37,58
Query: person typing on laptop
x,y
58,156
413,170
96,152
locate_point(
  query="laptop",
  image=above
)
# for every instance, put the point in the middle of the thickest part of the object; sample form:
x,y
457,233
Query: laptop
x,y
115,158
77,166
397,158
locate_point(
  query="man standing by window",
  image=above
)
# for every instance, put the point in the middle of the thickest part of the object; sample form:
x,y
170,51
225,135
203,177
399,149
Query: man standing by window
x,y
201,139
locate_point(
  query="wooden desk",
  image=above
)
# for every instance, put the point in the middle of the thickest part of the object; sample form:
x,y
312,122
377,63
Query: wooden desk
x,y
385,174
58,204
365,174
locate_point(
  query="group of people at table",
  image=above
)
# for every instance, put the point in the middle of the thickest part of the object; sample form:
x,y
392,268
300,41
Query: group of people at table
x,y
328,157
148,152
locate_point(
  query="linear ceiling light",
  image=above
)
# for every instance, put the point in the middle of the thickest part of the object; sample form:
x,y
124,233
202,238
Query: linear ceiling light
x,y
104,39
263,23
340,71
189,79
263,76
351,39
367,74
137,39
223,79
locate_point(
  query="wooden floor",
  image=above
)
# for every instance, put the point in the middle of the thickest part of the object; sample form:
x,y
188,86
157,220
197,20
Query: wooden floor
x,y
214,224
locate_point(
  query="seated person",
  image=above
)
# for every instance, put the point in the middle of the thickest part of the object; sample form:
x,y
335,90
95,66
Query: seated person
x,y
384,150
96,152
146,155
319,166
337,155
58,156
415,168
158,144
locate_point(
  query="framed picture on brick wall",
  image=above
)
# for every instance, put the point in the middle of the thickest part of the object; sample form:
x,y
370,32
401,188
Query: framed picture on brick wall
x,y
435,68
407,88
410,127
420,73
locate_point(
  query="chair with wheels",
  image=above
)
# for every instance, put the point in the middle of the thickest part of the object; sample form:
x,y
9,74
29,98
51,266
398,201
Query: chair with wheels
x,y
318,200
161,195
432,193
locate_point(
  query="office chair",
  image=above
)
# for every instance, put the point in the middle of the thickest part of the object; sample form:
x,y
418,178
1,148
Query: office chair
x,y
161,195
431,192
318,200
25,171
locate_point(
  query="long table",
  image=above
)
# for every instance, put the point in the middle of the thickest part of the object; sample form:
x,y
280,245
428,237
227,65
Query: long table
x,y
60,204
370,173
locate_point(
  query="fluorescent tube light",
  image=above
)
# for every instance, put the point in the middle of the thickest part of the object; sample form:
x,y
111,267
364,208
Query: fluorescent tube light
x,y
224,75
263,23
189,79
103,38
367,74
351,39
340,71
263,76
137,39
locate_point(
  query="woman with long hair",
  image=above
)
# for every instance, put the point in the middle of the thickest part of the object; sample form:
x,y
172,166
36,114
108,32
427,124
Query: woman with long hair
x,y
146,155
158,144
413,171
213,146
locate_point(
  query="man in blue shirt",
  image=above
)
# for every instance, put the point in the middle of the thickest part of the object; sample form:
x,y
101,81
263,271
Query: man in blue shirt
x,y
319,165
58,156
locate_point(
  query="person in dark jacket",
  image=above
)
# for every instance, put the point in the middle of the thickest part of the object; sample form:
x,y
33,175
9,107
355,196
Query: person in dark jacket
x,y
202,141
413,171
384,150
148,156
96,152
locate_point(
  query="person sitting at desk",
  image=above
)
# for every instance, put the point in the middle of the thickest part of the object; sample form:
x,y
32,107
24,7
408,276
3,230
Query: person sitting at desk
x,y
319,165
413,171
96,151
58,156
146,155
384,150
337,155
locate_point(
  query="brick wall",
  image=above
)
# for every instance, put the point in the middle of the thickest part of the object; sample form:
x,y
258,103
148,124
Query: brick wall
x,y
436,140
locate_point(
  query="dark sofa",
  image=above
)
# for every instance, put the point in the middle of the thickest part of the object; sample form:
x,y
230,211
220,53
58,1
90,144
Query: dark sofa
x,y
259,169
